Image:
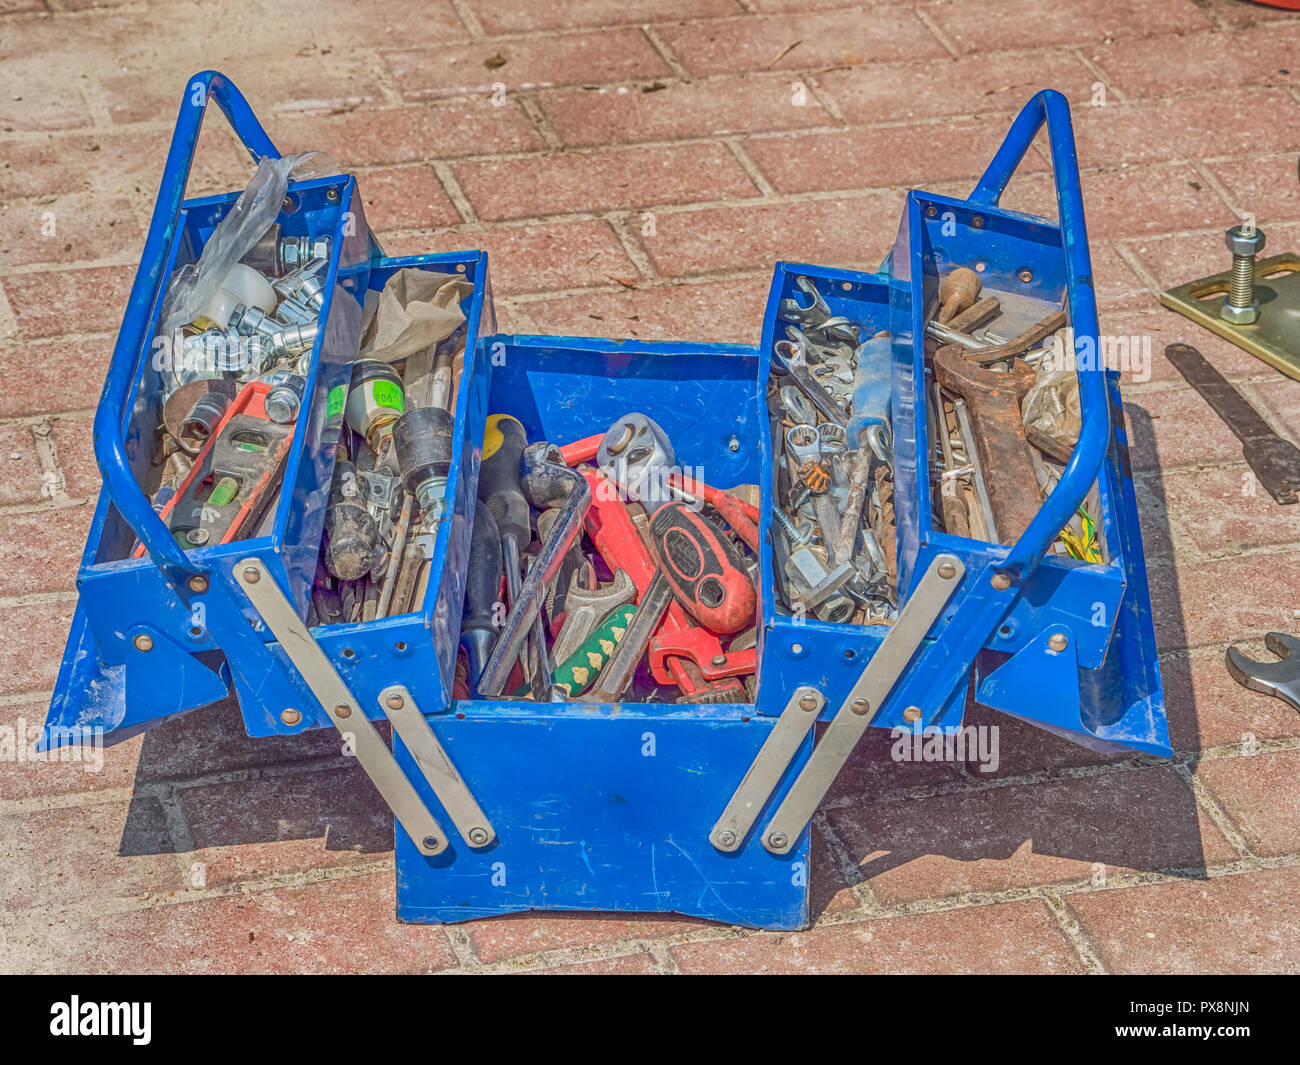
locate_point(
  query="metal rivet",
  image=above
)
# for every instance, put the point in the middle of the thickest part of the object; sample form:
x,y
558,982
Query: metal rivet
x,y
912,713
143,642
796,648
977,222
251,575
342,710
287,203
947,571
727,839
1026,276
395,702
777,840
290,716
1058,642
808,701
860,706
198,585
733,446
847,286
198,537
430,843
1001,582
478,836
719,660
931,211
332,195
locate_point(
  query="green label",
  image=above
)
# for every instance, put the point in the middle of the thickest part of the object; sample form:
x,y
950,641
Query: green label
x,y
389,395
335,400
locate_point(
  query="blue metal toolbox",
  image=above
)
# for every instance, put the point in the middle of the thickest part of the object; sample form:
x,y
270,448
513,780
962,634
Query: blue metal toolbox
x,y
697,798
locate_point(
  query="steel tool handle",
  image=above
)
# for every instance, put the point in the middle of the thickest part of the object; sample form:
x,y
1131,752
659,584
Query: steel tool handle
x,y
1051,108
133,341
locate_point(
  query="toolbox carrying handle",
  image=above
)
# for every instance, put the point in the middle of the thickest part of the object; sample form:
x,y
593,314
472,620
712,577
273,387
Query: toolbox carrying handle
x,y
132,341
1081,471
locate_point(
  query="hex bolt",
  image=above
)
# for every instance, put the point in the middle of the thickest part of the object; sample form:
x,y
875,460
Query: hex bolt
x,y
478,836
143,642
290,716
1241,307
1058,641
726,839
395,702
198,585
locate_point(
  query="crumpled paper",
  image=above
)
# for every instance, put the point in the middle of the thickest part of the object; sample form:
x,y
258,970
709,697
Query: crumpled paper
x,y
417,309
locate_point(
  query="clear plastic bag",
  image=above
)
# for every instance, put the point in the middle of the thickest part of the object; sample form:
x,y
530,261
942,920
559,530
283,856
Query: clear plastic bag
x,y
192,286
1052,405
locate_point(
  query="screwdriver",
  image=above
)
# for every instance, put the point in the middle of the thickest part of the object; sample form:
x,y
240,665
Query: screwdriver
x,y
482,585
498,487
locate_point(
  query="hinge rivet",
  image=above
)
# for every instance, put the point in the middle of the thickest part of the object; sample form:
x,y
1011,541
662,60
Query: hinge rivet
x,y
478,836
252,574
395,702
947,571
1001,582
860,706
777,840
290,716
727,839
1058,641
912,713
199,585
143,642
342,710
808,701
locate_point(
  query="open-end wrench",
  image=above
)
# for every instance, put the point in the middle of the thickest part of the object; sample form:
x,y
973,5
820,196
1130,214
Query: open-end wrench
x,y
1276,461
1279,679
585,608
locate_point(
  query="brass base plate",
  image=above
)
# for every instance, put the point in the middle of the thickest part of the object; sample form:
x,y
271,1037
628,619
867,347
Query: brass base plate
x,y
1275,338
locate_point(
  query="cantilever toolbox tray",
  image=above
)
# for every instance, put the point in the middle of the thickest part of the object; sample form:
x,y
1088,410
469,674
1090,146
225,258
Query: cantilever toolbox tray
x,y
701,809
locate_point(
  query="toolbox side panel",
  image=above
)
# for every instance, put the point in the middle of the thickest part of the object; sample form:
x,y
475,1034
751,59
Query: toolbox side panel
x,y
602,811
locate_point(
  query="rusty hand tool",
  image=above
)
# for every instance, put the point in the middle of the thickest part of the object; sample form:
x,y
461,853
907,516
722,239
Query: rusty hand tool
x,y
1276,461
1020,344
979,313
958,292
994,399
1279,679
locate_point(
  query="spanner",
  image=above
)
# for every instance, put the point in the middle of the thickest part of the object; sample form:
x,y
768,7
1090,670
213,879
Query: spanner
x,y
1280,679
586,608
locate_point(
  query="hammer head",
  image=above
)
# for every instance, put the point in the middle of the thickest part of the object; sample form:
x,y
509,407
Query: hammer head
x,y
1280,679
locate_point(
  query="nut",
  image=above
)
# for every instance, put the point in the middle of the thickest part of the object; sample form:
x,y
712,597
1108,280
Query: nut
x,y
1240,244
1240,315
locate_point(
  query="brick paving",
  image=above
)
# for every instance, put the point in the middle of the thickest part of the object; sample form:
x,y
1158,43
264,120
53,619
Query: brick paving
x,y
548,134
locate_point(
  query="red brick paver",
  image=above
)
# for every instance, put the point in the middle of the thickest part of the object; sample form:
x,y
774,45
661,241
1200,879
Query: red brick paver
x,y
634,168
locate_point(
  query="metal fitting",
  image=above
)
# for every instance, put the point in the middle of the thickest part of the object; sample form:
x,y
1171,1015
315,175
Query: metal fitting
x,y
294,339
1240,307
298,251
291,312
250,321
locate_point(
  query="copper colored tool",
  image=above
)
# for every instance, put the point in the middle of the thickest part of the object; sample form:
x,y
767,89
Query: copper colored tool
x,y
994,399
1019,345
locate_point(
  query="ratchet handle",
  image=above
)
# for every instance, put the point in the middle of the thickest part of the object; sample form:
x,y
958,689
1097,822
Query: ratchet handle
x,y
703,568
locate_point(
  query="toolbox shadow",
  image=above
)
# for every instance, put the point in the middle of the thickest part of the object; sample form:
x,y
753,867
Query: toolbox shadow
x,y
1060,815
233,790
